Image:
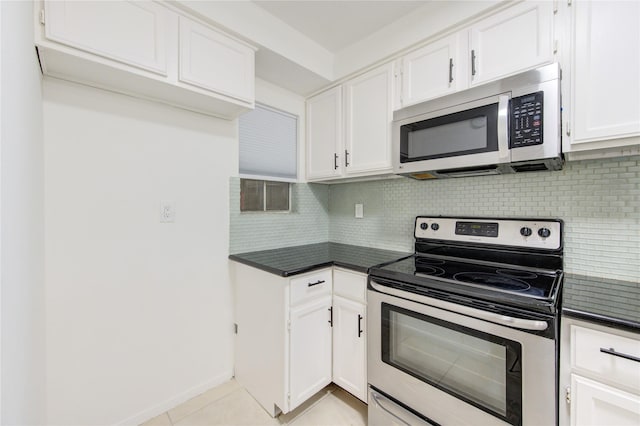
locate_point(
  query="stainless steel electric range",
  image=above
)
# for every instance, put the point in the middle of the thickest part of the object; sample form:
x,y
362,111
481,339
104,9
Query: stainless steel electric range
x,y
465,331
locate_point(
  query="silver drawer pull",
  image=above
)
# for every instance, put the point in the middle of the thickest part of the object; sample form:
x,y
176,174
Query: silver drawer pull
x,y
316,283
613,352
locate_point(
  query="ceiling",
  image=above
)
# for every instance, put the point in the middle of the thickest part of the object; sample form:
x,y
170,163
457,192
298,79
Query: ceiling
x,y
337,24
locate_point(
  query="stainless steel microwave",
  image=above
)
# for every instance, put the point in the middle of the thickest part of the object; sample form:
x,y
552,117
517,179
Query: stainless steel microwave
x,y
507,126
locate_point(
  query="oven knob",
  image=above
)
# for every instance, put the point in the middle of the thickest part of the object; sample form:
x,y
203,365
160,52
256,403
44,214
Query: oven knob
x,y
435,226
525,231
544,232
424,226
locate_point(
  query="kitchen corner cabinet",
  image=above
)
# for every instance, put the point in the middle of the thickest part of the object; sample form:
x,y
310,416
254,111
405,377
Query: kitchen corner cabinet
x,y
604,70
597,385
349,127
146,49
349,333
283,335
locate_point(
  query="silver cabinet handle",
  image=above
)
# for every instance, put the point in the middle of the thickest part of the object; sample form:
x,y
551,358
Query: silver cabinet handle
x,y
473,62
450,70
613,352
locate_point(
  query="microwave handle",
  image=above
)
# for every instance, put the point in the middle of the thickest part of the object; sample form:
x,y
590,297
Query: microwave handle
x,y
503,128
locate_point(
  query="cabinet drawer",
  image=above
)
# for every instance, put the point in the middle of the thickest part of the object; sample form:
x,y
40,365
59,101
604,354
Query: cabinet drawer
x,y
310,286
587,355
350,284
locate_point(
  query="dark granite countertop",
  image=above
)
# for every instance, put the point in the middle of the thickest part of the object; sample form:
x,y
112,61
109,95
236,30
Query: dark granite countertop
x,y
610,302
298,259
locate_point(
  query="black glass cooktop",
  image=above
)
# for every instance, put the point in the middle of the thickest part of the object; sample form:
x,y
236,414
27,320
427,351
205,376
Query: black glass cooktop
x,y
488,280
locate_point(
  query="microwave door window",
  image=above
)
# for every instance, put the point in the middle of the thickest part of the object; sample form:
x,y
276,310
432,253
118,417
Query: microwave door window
x,y
449,138
467,132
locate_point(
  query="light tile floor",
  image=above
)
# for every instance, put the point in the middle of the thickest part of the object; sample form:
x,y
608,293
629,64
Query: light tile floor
x,y
230,404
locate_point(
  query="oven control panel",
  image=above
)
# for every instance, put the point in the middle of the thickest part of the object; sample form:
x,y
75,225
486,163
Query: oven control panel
x,y
531,233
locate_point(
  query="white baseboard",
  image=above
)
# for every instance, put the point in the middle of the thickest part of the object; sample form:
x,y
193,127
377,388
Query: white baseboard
x,y
174,401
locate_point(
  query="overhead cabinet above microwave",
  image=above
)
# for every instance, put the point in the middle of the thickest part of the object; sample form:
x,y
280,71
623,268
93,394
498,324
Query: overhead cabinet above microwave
x,y
511,41
146,49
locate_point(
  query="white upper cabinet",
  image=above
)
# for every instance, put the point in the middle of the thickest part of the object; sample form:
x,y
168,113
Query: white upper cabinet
x,y
212,61
605,75
368,115
324,134
511,41
131,32
146,49
349,127
508,42
434,70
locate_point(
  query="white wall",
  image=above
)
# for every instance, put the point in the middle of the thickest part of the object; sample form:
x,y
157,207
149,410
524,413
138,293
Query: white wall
x,y
21,220
138,312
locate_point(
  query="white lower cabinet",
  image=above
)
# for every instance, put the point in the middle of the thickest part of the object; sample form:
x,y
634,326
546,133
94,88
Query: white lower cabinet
x,y
599,375
596,404
295,335
349,346
309,349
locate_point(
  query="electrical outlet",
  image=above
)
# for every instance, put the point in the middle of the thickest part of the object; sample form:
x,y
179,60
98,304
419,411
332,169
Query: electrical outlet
x,y
167,212
359,211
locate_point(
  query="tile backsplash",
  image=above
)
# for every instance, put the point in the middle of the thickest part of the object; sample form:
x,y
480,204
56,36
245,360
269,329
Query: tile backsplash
x,y
599,201
306,223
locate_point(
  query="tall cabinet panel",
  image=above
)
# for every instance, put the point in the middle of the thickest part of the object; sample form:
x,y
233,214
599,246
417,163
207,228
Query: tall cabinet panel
x,y
368,116
606,70
324,134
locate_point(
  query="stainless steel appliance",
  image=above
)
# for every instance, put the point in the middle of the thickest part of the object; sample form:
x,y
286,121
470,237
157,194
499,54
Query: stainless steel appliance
x,y
464,332
511,125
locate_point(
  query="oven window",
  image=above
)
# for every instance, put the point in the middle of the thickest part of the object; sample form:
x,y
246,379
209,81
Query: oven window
x,y
467,132
479,368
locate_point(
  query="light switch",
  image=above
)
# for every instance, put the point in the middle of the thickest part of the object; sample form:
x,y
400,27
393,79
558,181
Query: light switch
x,y
167,211
359,211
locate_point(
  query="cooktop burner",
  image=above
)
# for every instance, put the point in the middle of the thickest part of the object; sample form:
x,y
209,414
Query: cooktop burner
x,y
497,281
450,274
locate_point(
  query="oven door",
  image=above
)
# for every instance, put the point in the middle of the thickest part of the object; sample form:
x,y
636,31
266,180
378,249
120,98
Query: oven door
x,y
453,368
468,135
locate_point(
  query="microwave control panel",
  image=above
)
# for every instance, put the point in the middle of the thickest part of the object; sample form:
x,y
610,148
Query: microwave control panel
x,y
526,120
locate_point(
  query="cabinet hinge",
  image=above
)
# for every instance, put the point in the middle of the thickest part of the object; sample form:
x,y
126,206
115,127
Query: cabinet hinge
x,y
555,46
569,2
235,328
288,325
288,398
568,128
42,16
555,6
567,395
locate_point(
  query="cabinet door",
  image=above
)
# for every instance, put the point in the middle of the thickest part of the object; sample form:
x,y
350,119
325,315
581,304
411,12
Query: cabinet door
x,y
131,32
349,346
511,41
434,70
324,134
310,350
213,61
369,112
593,403
606,70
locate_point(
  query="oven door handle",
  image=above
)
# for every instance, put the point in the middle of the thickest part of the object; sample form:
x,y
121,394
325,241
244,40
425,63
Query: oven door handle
x,y
377,399
508,321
